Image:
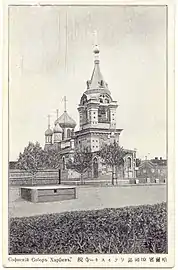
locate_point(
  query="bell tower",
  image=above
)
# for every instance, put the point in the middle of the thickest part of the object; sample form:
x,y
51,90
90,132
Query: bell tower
x,y
97,109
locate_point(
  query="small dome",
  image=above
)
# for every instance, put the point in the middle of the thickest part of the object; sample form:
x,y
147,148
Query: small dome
x,y
48,132
57,128
65,121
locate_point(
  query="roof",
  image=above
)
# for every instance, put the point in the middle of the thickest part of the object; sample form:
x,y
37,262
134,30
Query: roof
x,y
97,81
146,163
159,162
48,132
57,128
153,163
65,121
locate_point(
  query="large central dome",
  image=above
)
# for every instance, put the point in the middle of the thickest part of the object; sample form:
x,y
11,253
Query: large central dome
x,y
65,121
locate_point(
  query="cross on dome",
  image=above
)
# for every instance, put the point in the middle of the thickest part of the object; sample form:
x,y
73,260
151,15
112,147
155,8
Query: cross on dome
x,y
65,104
48,121
96,47
65,121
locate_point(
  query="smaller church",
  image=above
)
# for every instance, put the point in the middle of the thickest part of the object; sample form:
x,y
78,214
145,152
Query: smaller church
x,y
97,125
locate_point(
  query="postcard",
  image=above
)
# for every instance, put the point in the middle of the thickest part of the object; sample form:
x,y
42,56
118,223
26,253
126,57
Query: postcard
x,y
88,134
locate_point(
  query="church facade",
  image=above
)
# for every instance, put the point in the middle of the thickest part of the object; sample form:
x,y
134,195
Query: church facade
x,y
97,125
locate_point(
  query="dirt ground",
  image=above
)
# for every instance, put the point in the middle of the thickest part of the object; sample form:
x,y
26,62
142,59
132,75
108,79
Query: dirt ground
x,y
89,198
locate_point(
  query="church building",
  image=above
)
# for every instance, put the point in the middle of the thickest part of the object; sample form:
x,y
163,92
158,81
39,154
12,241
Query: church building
x,y
97,114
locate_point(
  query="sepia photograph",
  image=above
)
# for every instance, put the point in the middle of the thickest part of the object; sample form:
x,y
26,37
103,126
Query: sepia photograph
x,y
88,132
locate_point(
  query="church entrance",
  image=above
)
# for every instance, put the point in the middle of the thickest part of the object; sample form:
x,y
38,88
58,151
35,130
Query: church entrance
x,y
95,168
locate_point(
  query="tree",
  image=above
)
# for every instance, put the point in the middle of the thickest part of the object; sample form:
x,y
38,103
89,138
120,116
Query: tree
x,y
80,161
32,159
113,155
52,158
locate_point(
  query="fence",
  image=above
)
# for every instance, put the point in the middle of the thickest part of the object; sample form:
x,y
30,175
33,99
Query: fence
x,y
24,178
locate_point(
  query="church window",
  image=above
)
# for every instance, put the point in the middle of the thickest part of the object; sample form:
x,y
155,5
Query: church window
x,y
102,114
68,133
101,101
128,162
63,163
63,135
94,117
94,112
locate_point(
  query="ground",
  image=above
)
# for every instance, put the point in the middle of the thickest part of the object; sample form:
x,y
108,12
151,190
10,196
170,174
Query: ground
x,y
90,198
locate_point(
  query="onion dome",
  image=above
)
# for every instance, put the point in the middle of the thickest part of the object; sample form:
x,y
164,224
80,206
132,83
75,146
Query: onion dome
x,y
48,132
65,121
57,128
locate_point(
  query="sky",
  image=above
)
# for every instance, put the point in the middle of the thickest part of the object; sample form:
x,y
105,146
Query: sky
x,y
51,55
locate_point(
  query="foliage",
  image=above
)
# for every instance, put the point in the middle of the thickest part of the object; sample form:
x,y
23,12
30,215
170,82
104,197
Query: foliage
x,y
35,158
112,154
139,229
32,159
80,161
52,158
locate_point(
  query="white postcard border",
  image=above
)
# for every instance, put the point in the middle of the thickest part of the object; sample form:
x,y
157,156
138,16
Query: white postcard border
x,y
166,260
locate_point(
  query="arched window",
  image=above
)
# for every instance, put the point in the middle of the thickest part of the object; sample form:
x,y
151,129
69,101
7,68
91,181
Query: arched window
x,y
63,163
128,162
102,114
95,167
72,132
68,133
63,134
